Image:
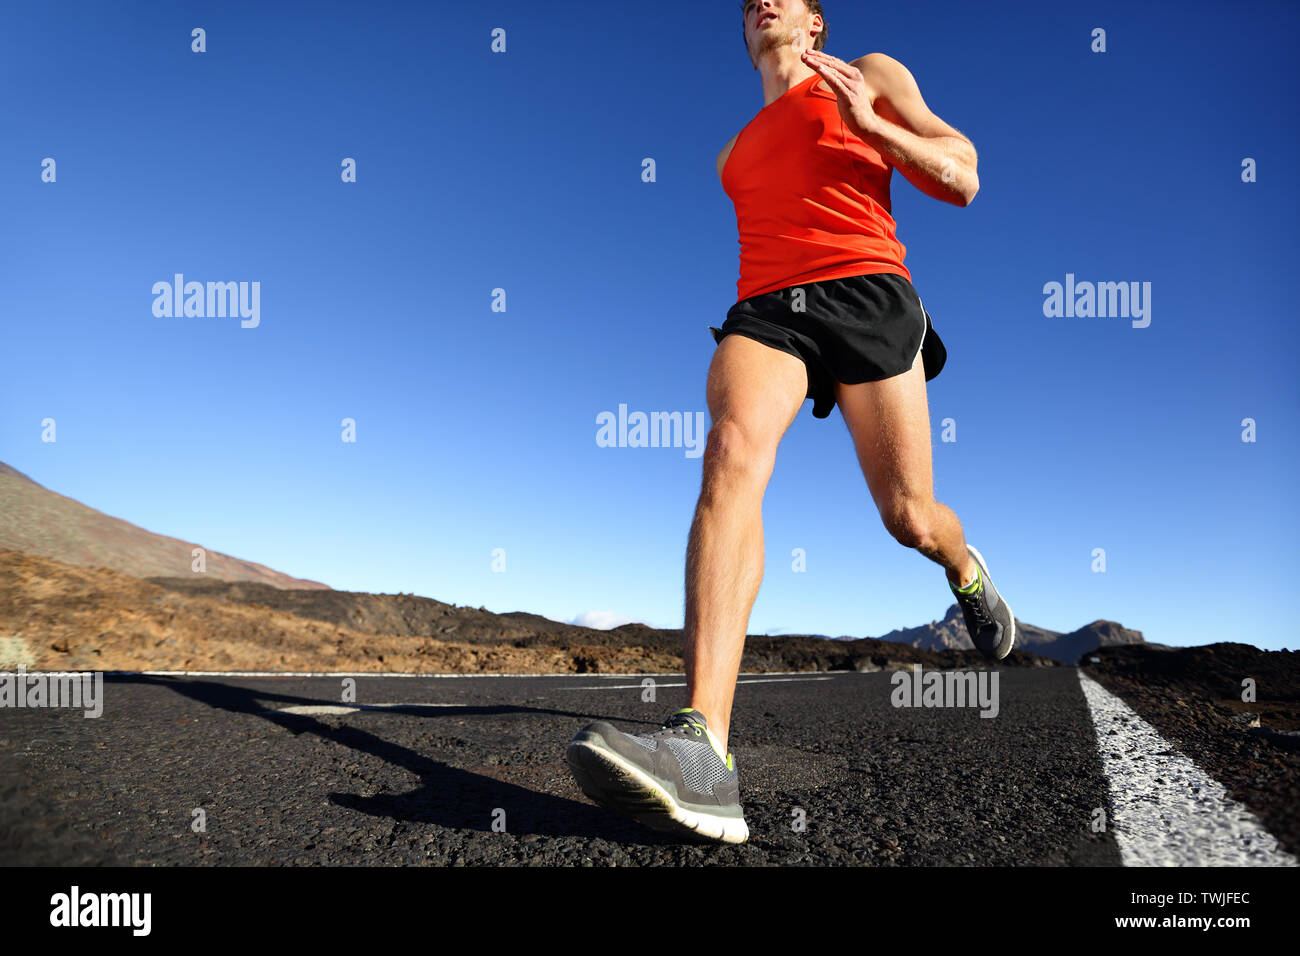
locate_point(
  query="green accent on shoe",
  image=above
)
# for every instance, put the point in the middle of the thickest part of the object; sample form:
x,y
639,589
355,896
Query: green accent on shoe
x,y
717,747
970,588
702,730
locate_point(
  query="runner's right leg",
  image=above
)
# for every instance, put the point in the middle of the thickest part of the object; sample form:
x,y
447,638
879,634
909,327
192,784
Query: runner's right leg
x,y
754,392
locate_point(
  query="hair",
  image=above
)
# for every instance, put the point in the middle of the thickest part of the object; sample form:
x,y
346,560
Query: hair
x,y
814,8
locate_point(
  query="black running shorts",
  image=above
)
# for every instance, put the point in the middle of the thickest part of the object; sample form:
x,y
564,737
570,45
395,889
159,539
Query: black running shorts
x,y
859,329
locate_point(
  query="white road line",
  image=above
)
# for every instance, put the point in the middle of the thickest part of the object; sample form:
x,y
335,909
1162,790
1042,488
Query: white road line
x,y
764,680
1167,811
384,674
321,710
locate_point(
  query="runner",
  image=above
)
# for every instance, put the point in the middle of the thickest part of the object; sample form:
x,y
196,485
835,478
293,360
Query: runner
x,y
826,310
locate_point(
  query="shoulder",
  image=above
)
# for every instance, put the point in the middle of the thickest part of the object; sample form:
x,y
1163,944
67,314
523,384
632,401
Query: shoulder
x,y
879,62
882,70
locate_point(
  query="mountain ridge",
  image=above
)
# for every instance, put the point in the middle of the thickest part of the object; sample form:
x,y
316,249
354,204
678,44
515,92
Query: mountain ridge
x,y
949,633
37,520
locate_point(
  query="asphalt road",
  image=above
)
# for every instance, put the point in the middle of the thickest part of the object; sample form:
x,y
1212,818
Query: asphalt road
x,y
470,771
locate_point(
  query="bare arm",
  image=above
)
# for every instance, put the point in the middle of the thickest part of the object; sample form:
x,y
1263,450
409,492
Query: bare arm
x,y
933,156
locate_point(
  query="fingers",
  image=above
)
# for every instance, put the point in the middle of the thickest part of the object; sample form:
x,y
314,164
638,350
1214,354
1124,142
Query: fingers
x,y
831,63
835,79
815,57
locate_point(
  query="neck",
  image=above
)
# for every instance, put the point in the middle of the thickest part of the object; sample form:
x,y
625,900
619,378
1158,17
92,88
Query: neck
x,y
782,70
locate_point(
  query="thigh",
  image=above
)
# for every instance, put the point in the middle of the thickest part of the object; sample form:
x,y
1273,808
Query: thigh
x,y
756,388
890,424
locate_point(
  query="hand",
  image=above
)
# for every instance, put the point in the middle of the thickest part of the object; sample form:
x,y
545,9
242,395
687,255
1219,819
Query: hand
x,y
850,89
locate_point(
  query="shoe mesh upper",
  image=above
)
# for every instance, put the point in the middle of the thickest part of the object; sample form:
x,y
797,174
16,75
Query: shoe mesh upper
x,y
701,765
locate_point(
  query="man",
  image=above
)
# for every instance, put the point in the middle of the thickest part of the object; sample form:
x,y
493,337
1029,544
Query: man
x,y
826,311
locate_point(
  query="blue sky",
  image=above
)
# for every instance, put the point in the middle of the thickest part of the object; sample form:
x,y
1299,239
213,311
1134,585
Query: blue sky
x,y
476,429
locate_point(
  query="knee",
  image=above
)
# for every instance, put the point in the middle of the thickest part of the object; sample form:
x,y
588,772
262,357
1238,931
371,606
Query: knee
x,y
732,453
910,521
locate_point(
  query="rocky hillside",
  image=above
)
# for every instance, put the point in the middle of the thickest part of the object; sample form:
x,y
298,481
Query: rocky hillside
x,y
38,521
59,616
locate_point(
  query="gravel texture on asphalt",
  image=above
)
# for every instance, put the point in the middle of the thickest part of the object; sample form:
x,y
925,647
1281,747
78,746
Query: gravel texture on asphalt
x,y
471,771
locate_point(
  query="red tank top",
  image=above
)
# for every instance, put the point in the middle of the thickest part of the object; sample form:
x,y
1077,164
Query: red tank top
x,y
811,198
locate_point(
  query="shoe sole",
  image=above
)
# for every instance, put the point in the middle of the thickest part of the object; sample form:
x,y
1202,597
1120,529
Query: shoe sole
x,y
617,785
1010,613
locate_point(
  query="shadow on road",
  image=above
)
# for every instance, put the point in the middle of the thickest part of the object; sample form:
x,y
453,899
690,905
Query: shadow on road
x,y
446,796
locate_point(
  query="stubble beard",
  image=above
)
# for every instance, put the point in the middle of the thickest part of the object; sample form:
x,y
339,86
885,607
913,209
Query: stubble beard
x,y
772,40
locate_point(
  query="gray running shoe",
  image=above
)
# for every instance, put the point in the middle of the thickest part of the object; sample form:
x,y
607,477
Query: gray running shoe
x,y
989,620
673,779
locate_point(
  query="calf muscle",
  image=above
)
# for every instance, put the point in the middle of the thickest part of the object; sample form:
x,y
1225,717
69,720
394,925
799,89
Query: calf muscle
x,y
754,393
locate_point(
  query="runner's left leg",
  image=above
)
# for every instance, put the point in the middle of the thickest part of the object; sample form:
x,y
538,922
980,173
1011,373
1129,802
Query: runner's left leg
x,y
890,424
